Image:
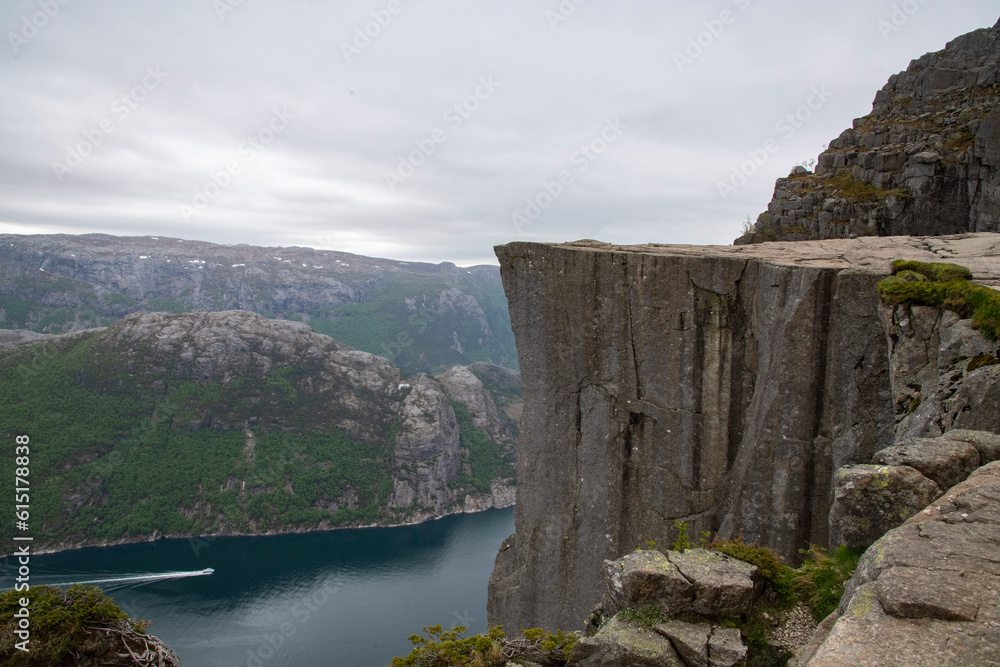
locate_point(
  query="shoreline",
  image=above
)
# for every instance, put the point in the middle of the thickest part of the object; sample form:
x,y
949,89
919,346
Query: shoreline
x,y
463,508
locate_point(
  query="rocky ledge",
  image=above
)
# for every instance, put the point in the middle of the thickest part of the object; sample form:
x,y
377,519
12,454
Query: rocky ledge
x,y
928,592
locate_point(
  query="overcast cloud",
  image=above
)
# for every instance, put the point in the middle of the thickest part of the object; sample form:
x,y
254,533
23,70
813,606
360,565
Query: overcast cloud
x,y
284,123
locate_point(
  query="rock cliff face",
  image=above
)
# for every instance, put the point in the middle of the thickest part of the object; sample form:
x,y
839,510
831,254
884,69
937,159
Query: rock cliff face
x,y
925,161
720,386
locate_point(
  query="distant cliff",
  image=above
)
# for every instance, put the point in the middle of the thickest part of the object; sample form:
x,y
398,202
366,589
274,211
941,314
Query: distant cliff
x,y
231,423
720,386
925,161
424,317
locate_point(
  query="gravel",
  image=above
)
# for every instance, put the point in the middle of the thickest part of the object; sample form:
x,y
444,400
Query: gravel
x,y
794,629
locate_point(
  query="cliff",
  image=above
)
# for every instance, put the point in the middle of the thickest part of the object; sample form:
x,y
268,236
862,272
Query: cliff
x,y
720,386
231,423
925,161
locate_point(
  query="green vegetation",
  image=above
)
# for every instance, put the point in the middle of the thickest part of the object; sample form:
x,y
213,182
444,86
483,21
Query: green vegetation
x,y
485,458
961,140
981,360
425,321
770,566
445,648
79,626
862,192
16,312
683,542
818,583
820,580
118,454
945,286
114,456
408,323
646,617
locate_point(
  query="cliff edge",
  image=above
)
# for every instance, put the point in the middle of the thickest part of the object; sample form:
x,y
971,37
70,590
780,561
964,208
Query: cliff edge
x,y
720,386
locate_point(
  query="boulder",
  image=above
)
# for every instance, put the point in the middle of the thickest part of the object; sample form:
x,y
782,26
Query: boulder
x,y
723,585
726,649
870,500
704,645
988,444
944,461
646,577
690,640
928,592
621,644
694,581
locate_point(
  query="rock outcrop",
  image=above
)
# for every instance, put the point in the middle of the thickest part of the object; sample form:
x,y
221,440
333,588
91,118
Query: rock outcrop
x,y
928,592
870,500
720,386
708,590
695,581
943,373
427,452
926,160
620,644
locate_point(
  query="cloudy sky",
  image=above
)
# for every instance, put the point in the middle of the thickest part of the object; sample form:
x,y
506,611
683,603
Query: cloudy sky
x,y
433,129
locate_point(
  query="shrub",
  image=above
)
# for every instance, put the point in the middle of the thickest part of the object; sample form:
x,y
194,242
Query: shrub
x,y
683,542
862,192
445,648
647,617
766,560
79,625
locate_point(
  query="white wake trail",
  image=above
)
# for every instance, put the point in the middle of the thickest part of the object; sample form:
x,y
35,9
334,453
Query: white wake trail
x,y
141,577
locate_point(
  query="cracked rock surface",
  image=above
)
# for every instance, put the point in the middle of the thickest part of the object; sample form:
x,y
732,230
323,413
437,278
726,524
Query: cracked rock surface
x,y
928,592
695,581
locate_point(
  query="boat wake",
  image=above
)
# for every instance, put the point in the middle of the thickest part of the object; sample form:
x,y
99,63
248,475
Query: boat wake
x,y
139,578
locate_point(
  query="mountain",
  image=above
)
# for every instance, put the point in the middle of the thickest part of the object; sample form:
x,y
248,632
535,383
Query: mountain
x,y
424,317
925,161
231,423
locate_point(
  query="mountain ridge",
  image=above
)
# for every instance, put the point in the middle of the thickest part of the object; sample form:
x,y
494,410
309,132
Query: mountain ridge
x,y
425,317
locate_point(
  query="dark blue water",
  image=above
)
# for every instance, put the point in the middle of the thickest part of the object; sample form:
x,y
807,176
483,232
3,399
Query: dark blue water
x,y
346,597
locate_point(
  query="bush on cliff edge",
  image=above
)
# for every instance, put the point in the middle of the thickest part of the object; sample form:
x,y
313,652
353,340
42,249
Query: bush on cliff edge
x,y
79,626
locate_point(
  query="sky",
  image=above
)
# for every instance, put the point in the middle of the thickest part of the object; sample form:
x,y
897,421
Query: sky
x,y
432,130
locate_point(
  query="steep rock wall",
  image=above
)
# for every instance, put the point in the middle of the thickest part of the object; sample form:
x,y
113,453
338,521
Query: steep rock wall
x,y
719,388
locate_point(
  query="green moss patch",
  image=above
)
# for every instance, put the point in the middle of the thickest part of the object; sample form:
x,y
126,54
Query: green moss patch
x,y
945,286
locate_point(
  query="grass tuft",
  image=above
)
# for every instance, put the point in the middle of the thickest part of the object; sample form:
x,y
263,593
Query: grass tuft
x,y
820,580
